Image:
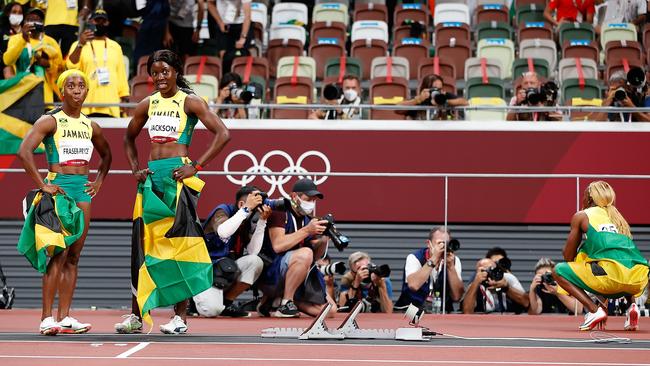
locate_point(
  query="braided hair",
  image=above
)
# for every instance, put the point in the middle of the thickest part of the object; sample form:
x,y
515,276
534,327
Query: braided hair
x,y
171,59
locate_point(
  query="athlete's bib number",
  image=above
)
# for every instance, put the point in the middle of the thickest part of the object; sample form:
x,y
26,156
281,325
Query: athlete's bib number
x,y
610,228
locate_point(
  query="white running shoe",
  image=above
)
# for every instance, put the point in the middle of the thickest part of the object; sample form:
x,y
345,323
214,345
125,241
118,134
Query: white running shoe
x,y
594,319
70,325
175,326
130,324
632,318
49,326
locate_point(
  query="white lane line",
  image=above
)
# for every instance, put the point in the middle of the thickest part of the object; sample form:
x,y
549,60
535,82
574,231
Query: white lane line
x,y
140,346
329,360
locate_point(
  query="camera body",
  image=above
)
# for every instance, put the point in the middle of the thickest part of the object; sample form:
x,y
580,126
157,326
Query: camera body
x,y
379,270
546,94
438,96
279,204
547,278
242,94
339,240
494,273
453,245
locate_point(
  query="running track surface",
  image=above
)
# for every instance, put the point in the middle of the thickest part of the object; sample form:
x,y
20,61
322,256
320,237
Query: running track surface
x,y
496,340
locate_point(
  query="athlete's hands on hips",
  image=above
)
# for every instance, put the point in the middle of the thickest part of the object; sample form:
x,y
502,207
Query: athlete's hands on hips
x,y
183,172
52,189
141,175
93,188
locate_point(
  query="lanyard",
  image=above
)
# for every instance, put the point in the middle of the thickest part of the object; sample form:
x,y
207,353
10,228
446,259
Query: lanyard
x,y
105,53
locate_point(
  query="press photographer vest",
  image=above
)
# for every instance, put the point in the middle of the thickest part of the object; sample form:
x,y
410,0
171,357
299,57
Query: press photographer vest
x,y
71,144
234,246
168,121
418,297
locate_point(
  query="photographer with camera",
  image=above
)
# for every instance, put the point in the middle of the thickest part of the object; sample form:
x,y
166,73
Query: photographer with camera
x,y
35,52
101,59
493,287
368,283
431,94
296,241
625,90
234,232
425,270
535,94
347,96
546,296
329,269
232,92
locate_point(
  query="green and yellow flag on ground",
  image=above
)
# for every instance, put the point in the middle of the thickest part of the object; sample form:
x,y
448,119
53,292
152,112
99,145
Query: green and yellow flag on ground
x,y
21,104
52,224
174,263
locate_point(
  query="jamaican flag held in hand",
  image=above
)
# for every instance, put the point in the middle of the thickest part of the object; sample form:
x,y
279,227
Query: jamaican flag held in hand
x,y
21,104
52,224
174,264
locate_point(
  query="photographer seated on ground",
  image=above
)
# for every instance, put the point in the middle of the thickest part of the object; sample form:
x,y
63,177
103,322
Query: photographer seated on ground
x,y
431,94
347,97
424,274
533,93
546,296
368,283
625,91
234,233
494,288
232,92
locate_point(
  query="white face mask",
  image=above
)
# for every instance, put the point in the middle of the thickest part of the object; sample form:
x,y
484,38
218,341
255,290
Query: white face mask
x,y
307,206
350,95
15,19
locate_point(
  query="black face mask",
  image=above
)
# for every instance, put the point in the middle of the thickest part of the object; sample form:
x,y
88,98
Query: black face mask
x,y
101,30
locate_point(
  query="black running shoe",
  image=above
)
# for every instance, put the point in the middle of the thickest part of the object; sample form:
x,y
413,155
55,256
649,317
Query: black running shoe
x,y
288,310
264,308
234,311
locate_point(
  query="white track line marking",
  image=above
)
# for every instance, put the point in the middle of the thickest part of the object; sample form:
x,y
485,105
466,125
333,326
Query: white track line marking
x,y
329,360
140,346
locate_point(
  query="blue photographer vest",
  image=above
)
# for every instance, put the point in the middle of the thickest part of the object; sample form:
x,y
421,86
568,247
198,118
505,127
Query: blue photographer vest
x,y
217,248
418,297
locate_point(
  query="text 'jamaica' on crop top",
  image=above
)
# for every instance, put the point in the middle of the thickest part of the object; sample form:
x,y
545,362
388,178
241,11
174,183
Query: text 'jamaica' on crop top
x,y
168,121
71,144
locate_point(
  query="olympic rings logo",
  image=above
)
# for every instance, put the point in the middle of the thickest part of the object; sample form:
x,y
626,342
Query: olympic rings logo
x,y
276,182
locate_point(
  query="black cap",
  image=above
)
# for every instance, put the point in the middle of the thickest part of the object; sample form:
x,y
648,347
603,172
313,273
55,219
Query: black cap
x,y
99,13
37,11
308,187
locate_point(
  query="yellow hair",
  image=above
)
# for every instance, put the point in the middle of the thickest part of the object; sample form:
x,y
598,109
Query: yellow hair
x,y
60,82
603,195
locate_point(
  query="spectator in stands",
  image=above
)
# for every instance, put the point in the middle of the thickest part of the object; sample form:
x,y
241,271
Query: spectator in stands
x,y
622,94
101,59
347,96
569,11
33,51
530,84
424,272
487,293
62,20
152,34
546,296
358,284
296,240
235,231
229,23
11,23
431,94
625,11
229,83
181,26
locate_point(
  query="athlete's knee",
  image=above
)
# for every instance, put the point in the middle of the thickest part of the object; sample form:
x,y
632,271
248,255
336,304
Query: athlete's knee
x,y
72,259
303,257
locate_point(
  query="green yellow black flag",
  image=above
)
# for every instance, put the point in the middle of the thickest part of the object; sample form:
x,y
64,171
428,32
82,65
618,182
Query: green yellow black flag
x,y
21,104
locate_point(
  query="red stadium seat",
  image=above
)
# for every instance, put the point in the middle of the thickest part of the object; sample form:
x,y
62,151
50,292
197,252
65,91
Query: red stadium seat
x,y
279,48
207,65
366,51
581,48
415,12
456,51
370,11
532,30
446,31
329,30
414,50
292,90
321,49
386,91
492,13
248,66
438,66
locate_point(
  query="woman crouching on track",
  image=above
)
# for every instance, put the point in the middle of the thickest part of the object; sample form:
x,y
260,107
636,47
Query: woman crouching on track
x,y
57,221
170,262
607,264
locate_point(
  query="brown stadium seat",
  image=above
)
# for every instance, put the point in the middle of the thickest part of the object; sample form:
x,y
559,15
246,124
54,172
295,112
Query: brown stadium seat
x,y
445,31
456,51
617,50
414,50
142,66
321,49
532,30
436,65
279,48
519,3
366,50
646,36
141,87
620,64
370,11
386,91
414,12
247,66
207,65
292,90
329,30
581,48
492,13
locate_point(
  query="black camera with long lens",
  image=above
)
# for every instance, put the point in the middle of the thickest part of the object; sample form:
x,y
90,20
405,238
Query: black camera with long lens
x,y
381,271
332,92
546,94
453,245
548,279
620,94
332,268
241,94
339,240
438,96
279,204
637,86
494,273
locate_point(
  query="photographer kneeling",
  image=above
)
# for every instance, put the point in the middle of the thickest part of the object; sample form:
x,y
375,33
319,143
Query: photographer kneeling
x,y
347,97
233,92
368,283
625,91
234,233
431,94
546,296
535,94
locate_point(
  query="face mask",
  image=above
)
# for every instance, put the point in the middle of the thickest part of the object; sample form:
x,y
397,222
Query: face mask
x,y
350,95
307,206
15,19
101,30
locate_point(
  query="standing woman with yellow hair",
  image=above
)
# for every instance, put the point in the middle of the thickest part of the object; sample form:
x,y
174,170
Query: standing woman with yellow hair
x,y
607,263
57,221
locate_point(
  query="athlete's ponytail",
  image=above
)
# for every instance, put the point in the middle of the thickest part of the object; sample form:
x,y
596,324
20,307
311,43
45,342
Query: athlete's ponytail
x,y
171,59
603,195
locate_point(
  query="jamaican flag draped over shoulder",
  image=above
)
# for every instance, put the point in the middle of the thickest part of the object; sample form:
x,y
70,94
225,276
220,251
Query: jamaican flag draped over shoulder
x,y
52,223
174,264
21,104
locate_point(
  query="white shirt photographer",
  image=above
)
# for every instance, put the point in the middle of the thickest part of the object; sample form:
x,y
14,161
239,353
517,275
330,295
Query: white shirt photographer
x,y
413,265
491,295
